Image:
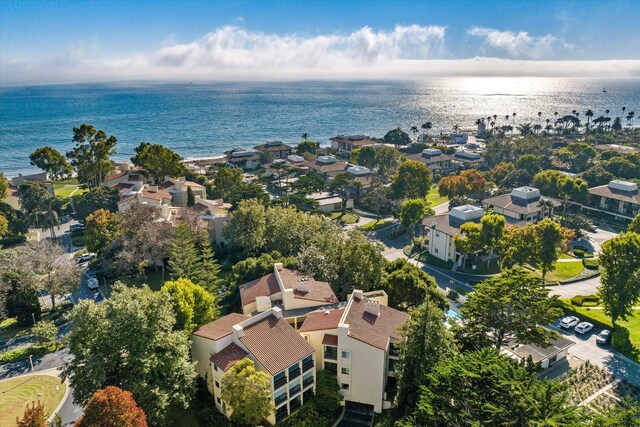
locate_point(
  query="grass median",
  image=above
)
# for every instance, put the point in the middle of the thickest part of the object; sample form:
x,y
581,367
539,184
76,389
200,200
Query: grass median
x,y
19,392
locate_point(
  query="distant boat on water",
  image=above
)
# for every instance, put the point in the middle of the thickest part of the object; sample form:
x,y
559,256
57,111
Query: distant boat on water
x,y
604,90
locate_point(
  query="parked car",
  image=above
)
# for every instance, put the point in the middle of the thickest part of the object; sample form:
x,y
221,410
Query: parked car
x,y
583,327
92,283
569,322
76,227
603,337
86,257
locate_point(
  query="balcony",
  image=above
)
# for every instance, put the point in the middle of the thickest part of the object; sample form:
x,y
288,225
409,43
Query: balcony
x,y
277,383
331,353
279,399
294,390
281,413
307,365
294,374
307,382
294,404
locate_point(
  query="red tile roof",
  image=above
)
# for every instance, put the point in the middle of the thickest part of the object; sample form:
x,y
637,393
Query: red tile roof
x,y
221,327
330,340
318,320
275,344
374,330
116,175
228,356
317,290
262,287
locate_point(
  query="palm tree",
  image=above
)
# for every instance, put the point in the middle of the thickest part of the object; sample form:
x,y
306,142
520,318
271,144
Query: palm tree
x,y
456,127
524,129
623,110
630,119
414,130
589,114
537,128
495,117
555,114
426,126
539,116
514,119
305,136
506,118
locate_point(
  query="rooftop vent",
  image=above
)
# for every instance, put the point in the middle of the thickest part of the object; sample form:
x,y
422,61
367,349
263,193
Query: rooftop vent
x,y
273,143
431,152
526,193
625,186
372,307
326,160
295,158
466,155
242,153
263,304
326,312
466,212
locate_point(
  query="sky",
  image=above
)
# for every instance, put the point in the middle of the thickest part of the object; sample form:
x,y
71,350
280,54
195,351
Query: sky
x,y
102,41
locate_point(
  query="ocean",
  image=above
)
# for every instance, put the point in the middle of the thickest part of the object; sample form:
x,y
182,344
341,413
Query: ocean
x,y
202,120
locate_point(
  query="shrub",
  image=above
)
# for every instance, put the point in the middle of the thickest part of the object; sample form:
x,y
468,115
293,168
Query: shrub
x,y
453,295
460,290
620,340
591,264
586,300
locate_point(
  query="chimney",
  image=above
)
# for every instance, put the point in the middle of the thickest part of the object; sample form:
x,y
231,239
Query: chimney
x,y
238,331
303,285
357,294
277,312
433,224
372,307
277,266
153,188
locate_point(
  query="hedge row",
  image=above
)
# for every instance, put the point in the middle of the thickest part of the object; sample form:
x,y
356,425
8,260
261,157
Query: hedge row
x,y
591,263
586,300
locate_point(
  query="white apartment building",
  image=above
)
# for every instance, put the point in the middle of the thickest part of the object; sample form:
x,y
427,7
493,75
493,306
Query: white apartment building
x,y
441,230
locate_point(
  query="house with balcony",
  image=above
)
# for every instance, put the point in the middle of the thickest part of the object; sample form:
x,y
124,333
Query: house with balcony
x,y
275,149
344,144
274,346
145,194
214,214
243,159
617,198
356,342
326,166
178,188
294,292
435,160
523,204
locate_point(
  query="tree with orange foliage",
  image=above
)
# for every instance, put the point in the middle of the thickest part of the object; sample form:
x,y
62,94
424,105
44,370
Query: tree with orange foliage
x,y
112,407
33,416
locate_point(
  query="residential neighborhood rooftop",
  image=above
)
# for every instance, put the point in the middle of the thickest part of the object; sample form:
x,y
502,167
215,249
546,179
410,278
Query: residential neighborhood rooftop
x,y
228,356
322,319
221,327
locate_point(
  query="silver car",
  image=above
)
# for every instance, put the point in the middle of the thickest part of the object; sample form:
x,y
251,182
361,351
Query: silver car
x,y
583,327
92,283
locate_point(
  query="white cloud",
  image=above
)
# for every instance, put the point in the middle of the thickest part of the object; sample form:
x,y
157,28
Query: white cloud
x,y
234,53
520,44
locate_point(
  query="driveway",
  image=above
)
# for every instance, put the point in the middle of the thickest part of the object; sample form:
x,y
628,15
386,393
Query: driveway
x,y
585,348
584,287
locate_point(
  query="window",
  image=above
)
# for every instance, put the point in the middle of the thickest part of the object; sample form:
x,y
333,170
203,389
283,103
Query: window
x,y
215,368
345,354
345,371
217,384
437,234
344,386
436,250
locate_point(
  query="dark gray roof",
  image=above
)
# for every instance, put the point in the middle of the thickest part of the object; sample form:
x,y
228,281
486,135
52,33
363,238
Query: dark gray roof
x,y
612,193
518,205
539,353
427,160
445,223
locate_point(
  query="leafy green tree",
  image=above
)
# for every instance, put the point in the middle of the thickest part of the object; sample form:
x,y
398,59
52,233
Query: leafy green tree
x,y
4,186
408,286
364,156
309,184
246,227
516,178
470,241
97,198
597,175
45,332
184,261
227,182
500,171
625,167
412,211
101,229
634,227
514,304
55,272
191,198
341,185
578,156
530,162
22,301
111,407
307,146
248,191
397,137
247,393
4,226
320,410
35,198
158,160
413,181
453,186
91,155
193,305
516,246
16,222
620,262
51,161
428,343
486,388
387,160
128,341
209,277
548,239
492,231
359,265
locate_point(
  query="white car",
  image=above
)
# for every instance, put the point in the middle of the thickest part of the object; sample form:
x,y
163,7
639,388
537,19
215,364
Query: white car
x,y
86,257
92,283
583,327
569,322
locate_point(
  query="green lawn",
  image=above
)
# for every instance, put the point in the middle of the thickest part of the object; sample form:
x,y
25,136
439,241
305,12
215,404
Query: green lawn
x,y
17,393
9,328
24,352
434,198
153,279
375,225
63,189
565,270
482,269
347,218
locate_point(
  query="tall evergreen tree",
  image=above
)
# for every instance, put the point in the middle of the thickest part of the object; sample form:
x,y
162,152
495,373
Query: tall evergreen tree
x,y
191,198
209,270
184,260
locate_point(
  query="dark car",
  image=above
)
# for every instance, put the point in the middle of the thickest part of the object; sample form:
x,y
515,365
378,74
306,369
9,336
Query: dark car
x,y
604,337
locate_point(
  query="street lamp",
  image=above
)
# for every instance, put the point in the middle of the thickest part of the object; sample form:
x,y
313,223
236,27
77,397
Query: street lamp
x,y
33,316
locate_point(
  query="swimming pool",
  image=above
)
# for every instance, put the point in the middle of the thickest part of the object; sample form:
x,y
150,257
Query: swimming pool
x,y
452,314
